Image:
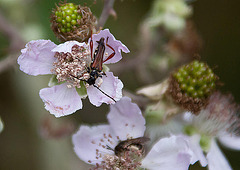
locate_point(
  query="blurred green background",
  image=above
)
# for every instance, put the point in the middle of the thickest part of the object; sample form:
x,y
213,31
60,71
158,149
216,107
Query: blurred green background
x,y
22,111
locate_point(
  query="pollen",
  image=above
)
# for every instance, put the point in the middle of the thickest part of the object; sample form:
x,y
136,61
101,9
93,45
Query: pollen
x,y
131,160
128,159
72,67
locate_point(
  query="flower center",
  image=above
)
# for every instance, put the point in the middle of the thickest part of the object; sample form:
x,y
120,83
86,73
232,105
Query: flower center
x,y
126,154
72,67
130,160
205,140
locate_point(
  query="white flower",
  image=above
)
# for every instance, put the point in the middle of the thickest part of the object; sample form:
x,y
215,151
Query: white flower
x,y
219,120
69,63
100,145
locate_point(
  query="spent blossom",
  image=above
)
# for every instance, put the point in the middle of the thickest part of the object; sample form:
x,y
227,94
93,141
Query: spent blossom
x,y
219,120
120,144
69,63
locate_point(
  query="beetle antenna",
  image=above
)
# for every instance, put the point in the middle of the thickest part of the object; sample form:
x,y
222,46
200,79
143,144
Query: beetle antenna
x,y
77,78
95,86
109,148
104,93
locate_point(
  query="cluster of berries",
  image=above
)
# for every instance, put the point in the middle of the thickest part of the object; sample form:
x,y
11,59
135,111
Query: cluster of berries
x,y
196,79
67,17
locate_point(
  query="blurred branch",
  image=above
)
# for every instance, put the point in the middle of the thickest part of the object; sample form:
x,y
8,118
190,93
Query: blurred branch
x,y
51,128
146,51
8,62
139,63
107,10
141,101
16,43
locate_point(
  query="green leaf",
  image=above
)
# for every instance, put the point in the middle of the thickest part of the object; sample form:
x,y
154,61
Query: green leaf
x,y
82,91
53,81
105,68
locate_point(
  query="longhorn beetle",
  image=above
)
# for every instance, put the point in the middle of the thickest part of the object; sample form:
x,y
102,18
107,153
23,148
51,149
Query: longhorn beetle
x,y
95,68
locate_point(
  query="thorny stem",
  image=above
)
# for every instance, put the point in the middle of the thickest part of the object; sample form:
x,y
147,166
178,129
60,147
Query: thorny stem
x,y
107,10
16,43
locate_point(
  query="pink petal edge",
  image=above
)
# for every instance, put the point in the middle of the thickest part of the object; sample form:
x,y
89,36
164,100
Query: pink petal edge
x,y
117,45
216,159
37,57
126,119
111,85
168,153
60,100
67,46
87,141
230,141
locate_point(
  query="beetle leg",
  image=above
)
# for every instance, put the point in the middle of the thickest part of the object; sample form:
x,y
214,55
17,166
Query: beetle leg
x,y
103,73
111,55
91,46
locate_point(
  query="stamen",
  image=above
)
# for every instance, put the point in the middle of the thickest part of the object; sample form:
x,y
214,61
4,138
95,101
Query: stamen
x,y
129,156
72,67
130,160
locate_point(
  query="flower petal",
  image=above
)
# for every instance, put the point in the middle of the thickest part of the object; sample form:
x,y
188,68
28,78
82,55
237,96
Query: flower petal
x,y
37,57
155,92
60,100
232,142
115,44
197,150
89,143
1,125
67,46
188,117
126,120
216,159
168,153
111,85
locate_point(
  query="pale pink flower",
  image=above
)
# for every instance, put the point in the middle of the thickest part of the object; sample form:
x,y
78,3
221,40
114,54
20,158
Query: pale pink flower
x,y
99,145
219,120
68,62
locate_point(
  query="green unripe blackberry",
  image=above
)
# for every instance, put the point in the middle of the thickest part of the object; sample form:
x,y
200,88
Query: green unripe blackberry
x,y
191,85
66,17
196,79
73,22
